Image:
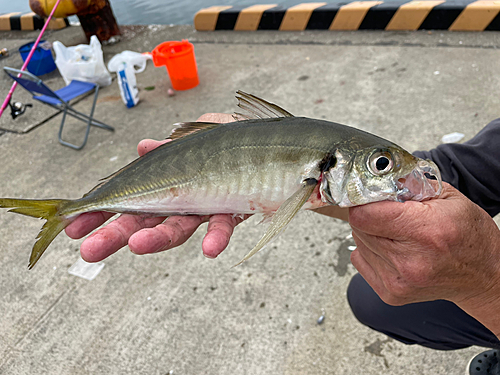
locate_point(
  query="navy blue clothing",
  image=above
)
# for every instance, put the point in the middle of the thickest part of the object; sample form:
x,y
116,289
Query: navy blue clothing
x,y
473,168
438,324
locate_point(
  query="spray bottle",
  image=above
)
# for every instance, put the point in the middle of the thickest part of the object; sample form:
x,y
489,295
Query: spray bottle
x,y
126,64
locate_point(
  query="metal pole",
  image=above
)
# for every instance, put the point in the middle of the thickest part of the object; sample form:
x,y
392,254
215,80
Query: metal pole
x,y
9,95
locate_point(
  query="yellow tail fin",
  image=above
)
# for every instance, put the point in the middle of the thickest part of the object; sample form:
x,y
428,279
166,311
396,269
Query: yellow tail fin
x,y
50,210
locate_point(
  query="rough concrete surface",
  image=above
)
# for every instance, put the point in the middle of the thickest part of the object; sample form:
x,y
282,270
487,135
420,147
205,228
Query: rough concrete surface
x,y
178,312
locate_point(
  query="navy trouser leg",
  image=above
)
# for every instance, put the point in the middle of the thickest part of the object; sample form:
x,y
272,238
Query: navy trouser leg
x,y
438,324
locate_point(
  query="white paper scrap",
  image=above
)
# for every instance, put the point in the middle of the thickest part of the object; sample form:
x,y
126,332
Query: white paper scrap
x,y
86,270
452,137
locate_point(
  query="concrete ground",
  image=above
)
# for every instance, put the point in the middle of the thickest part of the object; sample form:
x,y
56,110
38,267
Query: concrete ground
x,y
178,312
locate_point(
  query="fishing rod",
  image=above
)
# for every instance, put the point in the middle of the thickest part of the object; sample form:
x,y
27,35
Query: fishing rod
x,y
11,91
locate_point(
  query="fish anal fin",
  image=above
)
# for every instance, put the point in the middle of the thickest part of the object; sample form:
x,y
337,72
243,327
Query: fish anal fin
x,y
284,215
259,108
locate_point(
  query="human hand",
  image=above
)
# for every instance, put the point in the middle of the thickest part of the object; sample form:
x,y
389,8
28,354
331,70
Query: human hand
x,y
446,248
146,235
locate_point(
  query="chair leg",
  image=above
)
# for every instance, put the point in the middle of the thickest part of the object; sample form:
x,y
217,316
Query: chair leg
x,y
82,117
68,144
94,122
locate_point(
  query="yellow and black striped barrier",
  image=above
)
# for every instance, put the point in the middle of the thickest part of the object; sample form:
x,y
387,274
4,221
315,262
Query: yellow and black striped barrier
x,y
29,21
357,15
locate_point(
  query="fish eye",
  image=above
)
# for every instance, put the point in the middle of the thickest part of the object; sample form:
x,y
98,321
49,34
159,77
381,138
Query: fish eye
x,y
380,163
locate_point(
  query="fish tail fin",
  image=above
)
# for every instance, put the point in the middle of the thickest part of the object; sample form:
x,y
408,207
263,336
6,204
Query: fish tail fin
x,y
51,210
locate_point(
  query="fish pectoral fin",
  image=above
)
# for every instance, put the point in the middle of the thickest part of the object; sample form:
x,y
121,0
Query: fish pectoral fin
x,y
284,215
266,218
258,108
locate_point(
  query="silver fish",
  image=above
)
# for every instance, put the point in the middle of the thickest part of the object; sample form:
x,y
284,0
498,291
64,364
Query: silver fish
x,y
268,162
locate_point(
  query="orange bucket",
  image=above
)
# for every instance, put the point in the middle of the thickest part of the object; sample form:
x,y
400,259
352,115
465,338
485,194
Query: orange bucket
x,y
180,61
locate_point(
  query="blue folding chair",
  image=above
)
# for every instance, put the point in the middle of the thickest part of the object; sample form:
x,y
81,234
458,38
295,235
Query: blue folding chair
x,y
60,99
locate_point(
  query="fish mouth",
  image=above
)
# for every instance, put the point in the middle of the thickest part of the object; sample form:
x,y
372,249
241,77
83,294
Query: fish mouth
x,y
423,182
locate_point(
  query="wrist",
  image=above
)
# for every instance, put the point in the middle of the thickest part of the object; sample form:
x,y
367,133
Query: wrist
x,y
486,312
484,302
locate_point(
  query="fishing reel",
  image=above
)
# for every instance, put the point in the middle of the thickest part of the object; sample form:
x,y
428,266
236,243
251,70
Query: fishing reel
x,y
18,108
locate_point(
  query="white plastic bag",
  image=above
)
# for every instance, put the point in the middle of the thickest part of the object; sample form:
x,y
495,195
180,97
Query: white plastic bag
x,y
126,64
135,59
82,62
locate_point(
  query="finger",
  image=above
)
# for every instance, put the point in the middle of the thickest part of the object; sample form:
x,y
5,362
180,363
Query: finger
x,y
377,263
173,232
382,276
216,117
147,145
370,266
397,220
219,231
363,267
366,270
114,236
384,219
86,223
382,247
374,279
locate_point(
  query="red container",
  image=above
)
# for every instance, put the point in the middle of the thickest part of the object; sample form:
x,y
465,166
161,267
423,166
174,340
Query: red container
x,y
180,62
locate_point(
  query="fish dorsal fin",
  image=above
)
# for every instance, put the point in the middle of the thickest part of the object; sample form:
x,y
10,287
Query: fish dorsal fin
x,y
185,128
241,117
258,108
